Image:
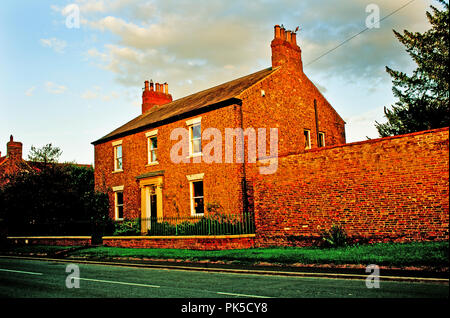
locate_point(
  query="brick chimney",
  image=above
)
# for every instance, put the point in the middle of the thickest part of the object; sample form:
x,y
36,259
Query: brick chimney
x,y
152,95
285,50
14,149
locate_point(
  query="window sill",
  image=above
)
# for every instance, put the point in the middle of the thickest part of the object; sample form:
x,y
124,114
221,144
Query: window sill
x,y
193,155
152,164
117,171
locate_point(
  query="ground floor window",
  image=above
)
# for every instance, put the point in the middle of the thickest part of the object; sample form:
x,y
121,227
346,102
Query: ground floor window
x,y
197,205
118,205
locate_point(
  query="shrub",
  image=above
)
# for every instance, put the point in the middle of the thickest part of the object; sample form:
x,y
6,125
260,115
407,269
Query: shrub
x,y
128,227
335,237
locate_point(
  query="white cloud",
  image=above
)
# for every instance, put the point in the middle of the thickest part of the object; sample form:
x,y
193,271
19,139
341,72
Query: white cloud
x,y
56,44
29,92
53,88
89,95
210,42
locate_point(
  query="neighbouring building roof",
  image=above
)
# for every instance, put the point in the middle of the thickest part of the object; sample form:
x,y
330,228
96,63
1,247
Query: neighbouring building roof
x,y
190,104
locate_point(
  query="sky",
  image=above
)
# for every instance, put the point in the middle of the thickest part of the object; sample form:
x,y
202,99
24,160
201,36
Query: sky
x,y
69,83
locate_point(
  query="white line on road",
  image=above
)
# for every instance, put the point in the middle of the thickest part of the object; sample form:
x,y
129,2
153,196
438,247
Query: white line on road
x,y
241,295
21,272
115,282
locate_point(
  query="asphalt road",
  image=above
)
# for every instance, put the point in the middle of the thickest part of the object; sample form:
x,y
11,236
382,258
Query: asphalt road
x,y
46,279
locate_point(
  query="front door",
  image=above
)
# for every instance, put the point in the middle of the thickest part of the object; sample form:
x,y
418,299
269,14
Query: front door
x,y
151,202
153,205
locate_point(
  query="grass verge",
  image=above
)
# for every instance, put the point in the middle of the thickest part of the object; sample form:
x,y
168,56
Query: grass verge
x,y
432,254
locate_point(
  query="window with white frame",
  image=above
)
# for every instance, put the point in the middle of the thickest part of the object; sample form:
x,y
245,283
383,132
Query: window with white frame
x,y
118,203
307,134
196,193
197,205
321,139
195,136
152,146
118,156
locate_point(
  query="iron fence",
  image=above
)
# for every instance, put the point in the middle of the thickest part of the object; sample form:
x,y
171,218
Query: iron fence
x,y
199,225
227,224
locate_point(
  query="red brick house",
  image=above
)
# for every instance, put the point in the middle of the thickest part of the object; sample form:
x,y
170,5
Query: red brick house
x,y
13,162
135,162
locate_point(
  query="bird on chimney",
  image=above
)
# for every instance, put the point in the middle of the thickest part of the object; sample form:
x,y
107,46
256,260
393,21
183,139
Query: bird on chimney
x,y
297,29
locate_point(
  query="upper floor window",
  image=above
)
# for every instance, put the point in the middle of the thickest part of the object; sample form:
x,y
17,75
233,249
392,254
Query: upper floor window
x,y
307,134
152,146
118,156
195,136
321,139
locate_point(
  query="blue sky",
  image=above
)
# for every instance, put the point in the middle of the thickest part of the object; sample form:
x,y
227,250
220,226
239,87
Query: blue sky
x,y
71,86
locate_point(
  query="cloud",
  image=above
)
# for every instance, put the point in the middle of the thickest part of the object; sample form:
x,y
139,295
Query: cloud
x,y
53,88
89,95
29,92
209,42
56,44
96,93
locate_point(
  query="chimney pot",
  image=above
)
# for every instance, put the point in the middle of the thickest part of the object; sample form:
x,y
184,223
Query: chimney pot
x,y
166,88
11,139
294,38
288,36
277,32
282,34
146,85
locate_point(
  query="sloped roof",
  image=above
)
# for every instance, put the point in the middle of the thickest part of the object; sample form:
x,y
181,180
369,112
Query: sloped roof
x,y
195,102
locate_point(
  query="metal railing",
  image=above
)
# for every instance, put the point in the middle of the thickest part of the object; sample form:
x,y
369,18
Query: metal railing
x,y
199,225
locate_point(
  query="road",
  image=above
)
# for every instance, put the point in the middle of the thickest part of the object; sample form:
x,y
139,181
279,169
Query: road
x,y
21,278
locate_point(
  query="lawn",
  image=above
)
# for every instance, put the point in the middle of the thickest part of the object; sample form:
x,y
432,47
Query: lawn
x,y
387,254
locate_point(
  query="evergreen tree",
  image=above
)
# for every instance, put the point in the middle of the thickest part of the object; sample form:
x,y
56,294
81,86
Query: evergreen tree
x,y
423,98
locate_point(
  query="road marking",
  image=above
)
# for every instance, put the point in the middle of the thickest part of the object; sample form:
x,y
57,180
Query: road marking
x,y
241,295
115,282
21,272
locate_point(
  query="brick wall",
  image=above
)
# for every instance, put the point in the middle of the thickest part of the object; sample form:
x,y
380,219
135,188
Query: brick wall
x,y
51,240
393,189
186,242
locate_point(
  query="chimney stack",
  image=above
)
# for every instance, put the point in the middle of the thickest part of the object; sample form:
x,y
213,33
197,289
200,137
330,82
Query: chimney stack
x,y
14,149
154,94
285,50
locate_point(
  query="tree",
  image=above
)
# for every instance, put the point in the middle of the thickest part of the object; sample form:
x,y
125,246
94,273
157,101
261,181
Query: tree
x,y
47,154
423,97
58,199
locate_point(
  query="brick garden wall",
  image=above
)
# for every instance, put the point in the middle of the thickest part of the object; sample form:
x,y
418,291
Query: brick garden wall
x,y
51,240
183,242
388,189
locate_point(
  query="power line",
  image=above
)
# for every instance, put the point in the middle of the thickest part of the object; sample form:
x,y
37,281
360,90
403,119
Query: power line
x,y
360,32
